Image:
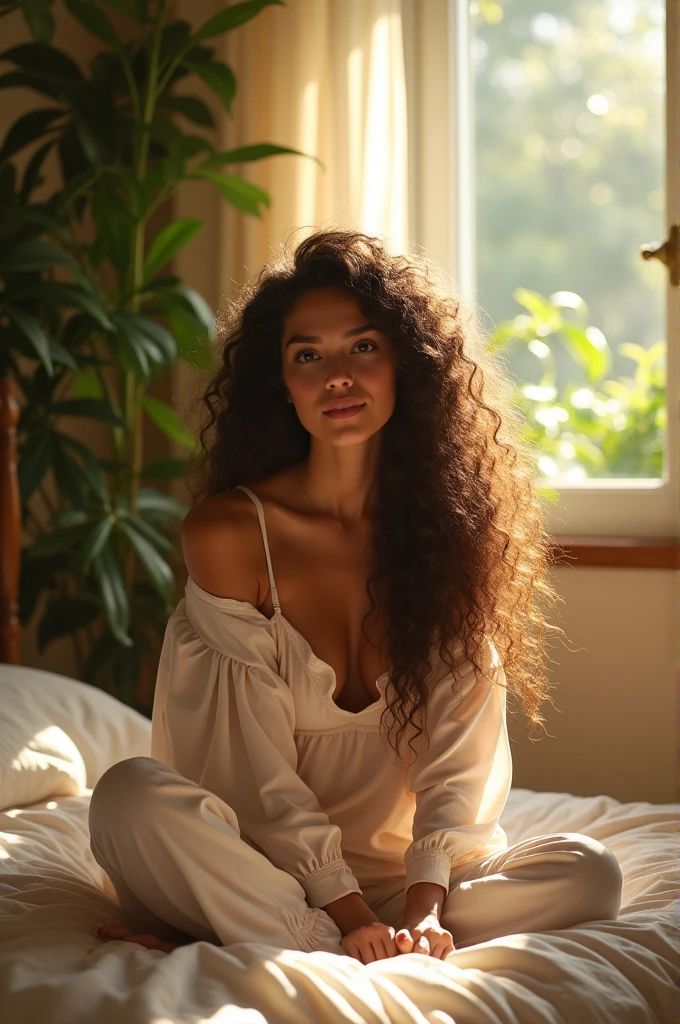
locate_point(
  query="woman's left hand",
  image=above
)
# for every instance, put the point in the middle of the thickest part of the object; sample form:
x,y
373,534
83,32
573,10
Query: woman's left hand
x,y
426,936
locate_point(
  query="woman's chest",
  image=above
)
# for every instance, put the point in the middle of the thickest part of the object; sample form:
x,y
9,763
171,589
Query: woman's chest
x,y
321,577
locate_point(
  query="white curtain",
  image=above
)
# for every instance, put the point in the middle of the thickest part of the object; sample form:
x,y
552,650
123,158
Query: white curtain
x,y
326,77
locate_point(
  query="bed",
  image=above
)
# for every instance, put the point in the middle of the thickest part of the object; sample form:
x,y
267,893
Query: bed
x,y
57,736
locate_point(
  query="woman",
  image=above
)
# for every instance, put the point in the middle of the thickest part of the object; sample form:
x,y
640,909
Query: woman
x,y
330,756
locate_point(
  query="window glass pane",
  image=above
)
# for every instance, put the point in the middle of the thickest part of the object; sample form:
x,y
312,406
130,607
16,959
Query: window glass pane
x,y
570,183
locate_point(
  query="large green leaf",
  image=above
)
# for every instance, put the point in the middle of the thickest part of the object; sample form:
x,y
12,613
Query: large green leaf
x,y
192,323
45,60
69,517
589,349
69,476
174,38
113,595
78,186
35,457
195,302
18,219
165,417
93,468
148,531
57,541
33,254
190,107
93,408
115,224
536,304
94,542
257,151
95,21
31,329
48,85
217,76
61,356
194,343
27,129
158,571
231,17
167,242
157,504
244,195
31,178
39,18
147,347
57,294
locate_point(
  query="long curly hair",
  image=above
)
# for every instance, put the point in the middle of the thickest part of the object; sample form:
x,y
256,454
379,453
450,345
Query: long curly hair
x,y
461,557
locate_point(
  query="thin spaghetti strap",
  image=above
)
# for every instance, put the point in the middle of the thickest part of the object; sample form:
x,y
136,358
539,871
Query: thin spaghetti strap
x,y
260,515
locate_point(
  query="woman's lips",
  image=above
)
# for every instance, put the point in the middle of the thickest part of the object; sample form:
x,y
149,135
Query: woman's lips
x,y
343,414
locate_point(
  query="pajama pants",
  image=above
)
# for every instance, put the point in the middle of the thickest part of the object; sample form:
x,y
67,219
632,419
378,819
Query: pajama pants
x,y
180,869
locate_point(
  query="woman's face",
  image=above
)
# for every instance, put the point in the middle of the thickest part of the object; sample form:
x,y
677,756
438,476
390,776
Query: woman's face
x,y
330,350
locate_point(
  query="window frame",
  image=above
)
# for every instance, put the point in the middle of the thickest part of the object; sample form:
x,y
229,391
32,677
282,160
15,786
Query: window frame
x,y
440,112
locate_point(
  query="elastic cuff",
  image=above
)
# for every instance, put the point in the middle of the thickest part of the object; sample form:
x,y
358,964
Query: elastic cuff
x,y
428,867
329,883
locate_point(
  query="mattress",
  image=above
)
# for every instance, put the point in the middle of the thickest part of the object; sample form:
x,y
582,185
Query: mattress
x,y
57,736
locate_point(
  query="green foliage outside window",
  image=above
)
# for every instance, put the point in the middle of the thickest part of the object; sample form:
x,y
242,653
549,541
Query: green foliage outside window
x,y
605,427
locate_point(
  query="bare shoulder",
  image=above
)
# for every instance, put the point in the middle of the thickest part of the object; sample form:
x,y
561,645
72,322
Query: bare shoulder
x,y
220,546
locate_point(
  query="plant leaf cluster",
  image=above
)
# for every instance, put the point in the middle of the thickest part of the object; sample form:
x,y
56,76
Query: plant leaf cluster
x,y
601,427
91,313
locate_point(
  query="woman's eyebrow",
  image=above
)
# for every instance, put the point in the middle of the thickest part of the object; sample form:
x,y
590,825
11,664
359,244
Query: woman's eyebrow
x,y
312,339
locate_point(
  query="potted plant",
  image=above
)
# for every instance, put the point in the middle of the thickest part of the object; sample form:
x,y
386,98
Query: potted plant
x,y
86,303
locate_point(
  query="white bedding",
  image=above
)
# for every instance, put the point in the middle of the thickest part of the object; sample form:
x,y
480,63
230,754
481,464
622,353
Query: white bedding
x,y
54,969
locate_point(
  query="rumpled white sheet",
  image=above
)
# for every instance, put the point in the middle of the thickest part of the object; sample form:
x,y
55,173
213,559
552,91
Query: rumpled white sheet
x,y
56,731
54,970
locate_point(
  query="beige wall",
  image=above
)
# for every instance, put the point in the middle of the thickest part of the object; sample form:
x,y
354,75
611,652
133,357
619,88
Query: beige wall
x,y
614,727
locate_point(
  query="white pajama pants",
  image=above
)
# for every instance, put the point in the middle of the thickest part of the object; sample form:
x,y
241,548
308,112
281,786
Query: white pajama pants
x,y
180,869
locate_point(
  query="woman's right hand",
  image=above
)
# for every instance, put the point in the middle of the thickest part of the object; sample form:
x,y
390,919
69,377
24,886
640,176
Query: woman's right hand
x,y
374,941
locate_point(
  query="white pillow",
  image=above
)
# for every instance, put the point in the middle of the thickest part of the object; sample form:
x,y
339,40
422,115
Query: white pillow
x,y
58,735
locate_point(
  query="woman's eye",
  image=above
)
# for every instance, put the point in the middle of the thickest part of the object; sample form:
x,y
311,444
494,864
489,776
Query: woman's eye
x,y
308,352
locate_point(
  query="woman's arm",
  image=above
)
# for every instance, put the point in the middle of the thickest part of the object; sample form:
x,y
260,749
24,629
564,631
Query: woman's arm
x,y
350,912
422,900
462,779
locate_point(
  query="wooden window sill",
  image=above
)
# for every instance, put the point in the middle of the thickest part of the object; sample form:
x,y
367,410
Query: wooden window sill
x,y
617,552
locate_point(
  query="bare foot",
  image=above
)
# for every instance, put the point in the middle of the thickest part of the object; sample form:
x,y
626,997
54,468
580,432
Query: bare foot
x,y
115,930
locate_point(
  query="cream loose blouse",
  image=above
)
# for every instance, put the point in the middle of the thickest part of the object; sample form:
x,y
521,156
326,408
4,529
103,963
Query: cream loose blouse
x,y
244,708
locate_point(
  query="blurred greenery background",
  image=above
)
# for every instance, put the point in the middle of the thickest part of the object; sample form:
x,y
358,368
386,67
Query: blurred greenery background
x,y
570,181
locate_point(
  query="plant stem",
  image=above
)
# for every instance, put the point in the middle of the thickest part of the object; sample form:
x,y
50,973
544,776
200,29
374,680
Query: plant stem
x,y
112,399
133,389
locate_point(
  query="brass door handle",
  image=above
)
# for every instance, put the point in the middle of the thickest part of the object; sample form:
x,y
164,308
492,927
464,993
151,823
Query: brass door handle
x,y
668,253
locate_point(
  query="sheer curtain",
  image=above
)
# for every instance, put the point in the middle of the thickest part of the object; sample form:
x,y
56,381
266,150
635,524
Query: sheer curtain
x,y
326,77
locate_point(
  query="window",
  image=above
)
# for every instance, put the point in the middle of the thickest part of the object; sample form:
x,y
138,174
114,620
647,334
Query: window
x,y
544,156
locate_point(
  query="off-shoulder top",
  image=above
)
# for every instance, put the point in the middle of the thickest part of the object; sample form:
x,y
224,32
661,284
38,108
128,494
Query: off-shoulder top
x,y
244,707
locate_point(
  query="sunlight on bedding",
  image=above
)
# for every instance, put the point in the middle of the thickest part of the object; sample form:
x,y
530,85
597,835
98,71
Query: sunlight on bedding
x,y
53,967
